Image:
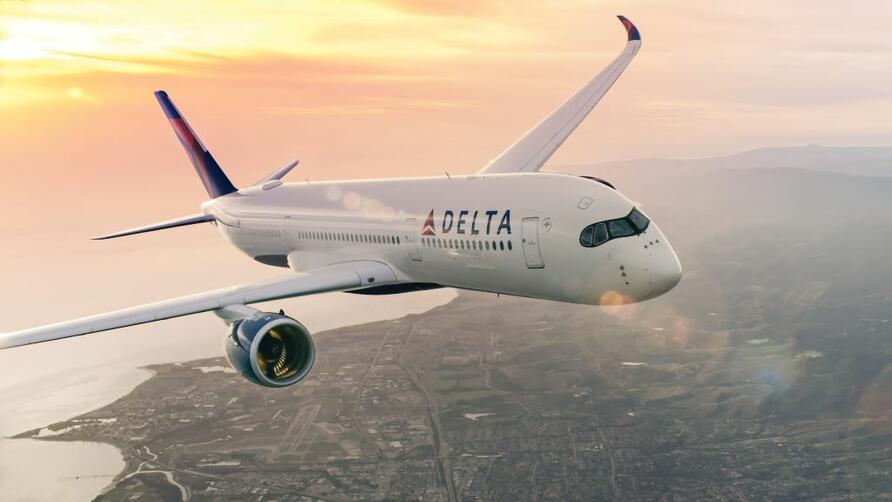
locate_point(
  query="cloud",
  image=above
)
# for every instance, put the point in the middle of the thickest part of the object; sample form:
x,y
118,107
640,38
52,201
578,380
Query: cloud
x,y
369,105
461,8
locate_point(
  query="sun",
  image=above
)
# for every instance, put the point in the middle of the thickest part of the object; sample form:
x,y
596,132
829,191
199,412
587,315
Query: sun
x,y
20,49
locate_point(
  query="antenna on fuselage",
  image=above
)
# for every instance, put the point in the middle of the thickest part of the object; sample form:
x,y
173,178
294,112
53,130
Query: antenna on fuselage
x,y
447,174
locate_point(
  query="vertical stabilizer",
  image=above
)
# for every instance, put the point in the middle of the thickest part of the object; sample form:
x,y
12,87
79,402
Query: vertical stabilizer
x,y
212,177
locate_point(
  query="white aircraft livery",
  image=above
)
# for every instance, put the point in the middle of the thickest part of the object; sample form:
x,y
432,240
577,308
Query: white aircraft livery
x,y
506,229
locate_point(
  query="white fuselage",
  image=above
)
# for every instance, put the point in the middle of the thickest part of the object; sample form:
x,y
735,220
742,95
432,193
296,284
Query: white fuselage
x,y
516,234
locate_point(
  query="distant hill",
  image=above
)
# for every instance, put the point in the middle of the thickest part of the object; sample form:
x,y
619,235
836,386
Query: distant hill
x,y
861,161
698,203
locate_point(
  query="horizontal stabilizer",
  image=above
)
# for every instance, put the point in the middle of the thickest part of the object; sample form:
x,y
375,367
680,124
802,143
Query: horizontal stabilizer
x,y
176,222
278,174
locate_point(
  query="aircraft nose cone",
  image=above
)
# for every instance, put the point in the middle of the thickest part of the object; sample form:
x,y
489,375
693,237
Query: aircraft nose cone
x,y
664,271
669,274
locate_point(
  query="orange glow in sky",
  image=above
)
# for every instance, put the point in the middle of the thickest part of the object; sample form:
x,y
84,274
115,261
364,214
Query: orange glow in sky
x,y
360,88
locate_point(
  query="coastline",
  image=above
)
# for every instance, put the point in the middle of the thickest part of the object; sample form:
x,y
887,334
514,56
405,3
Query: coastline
x,y
118,385
39,467
43,401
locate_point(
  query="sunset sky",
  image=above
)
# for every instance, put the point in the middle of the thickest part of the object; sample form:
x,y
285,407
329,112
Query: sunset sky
x,y
392,87
373,88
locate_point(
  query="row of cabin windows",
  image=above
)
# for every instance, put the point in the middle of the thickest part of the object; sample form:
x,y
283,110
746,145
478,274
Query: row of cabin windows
x,y
431,242
257,232
349,237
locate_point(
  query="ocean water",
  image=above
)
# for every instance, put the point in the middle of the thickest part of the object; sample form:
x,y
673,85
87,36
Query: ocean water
x,y
32,470
51,382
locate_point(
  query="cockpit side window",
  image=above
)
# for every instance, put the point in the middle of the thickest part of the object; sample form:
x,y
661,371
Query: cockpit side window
x,y
620,228
599,233
586,238
639,220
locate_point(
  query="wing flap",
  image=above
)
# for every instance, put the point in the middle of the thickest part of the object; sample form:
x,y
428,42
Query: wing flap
x,y
534,148
340,277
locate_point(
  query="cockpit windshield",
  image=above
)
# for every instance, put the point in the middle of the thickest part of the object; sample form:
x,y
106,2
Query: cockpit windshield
x,y
620,228
601,232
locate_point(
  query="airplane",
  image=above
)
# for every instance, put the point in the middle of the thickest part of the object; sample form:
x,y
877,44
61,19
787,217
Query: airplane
x,y
507,229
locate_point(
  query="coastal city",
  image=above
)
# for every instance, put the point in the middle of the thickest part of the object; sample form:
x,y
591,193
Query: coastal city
x,y
440,406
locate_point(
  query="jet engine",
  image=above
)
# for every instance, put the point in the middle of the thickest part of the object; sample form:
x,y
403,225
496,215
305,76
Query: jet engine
x,y
272,350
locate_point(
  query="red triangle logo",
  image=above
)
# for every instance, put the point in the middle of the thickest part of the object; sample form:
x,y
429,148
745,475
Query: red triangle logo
x,y
428,228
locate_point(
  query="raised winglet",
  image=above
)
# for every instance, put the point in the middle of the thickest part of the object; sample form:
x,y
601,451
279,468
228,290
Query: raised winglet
x,y
533,149
631,29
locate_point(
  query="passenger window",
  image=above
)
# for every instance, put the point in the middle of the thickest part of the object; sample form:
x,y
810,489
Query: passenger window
x,y
639,220
600,234
587,236
620,228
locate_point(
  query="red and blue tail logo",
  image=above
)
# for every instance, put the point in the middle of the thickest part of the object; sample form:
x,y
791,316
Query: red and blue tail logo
x,y
212,176
428,228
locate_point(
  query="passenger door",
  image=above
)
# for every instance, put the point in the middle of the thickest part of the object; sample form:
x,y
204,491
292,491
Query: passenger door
x,y
411,240
530,243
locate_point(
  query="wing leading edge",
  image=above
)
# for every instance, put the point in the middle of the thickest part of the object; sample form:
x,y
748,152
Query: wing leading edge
x,y
534,148
340,277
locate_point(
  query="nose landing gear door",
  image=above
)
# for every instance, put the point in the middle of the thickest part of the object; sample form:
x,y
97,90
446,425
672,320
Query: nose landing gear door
x,y
411,240
530,243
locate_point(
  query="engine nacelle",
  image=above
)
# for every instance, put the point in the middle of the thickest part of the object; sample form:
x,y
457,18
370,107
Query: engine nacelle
x,y
270,349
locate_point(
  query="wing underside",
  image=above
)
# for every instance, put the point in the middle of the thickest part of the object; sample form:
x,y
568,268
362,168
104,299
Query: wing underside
x,y
534,148
341,277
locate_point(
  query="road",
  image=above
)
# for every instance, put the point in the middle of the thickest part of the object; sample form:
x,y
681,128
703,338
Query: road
x,y
441,448
354,415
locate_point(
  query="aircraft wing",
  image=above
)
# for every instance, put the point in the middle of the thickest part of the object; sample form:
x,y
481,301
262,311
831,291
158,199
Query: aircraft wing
x,y
340,277
534,148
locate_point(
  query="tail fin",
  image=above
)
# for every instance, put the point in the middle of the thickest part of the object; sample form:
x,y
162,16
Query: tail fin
x,y
212,177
